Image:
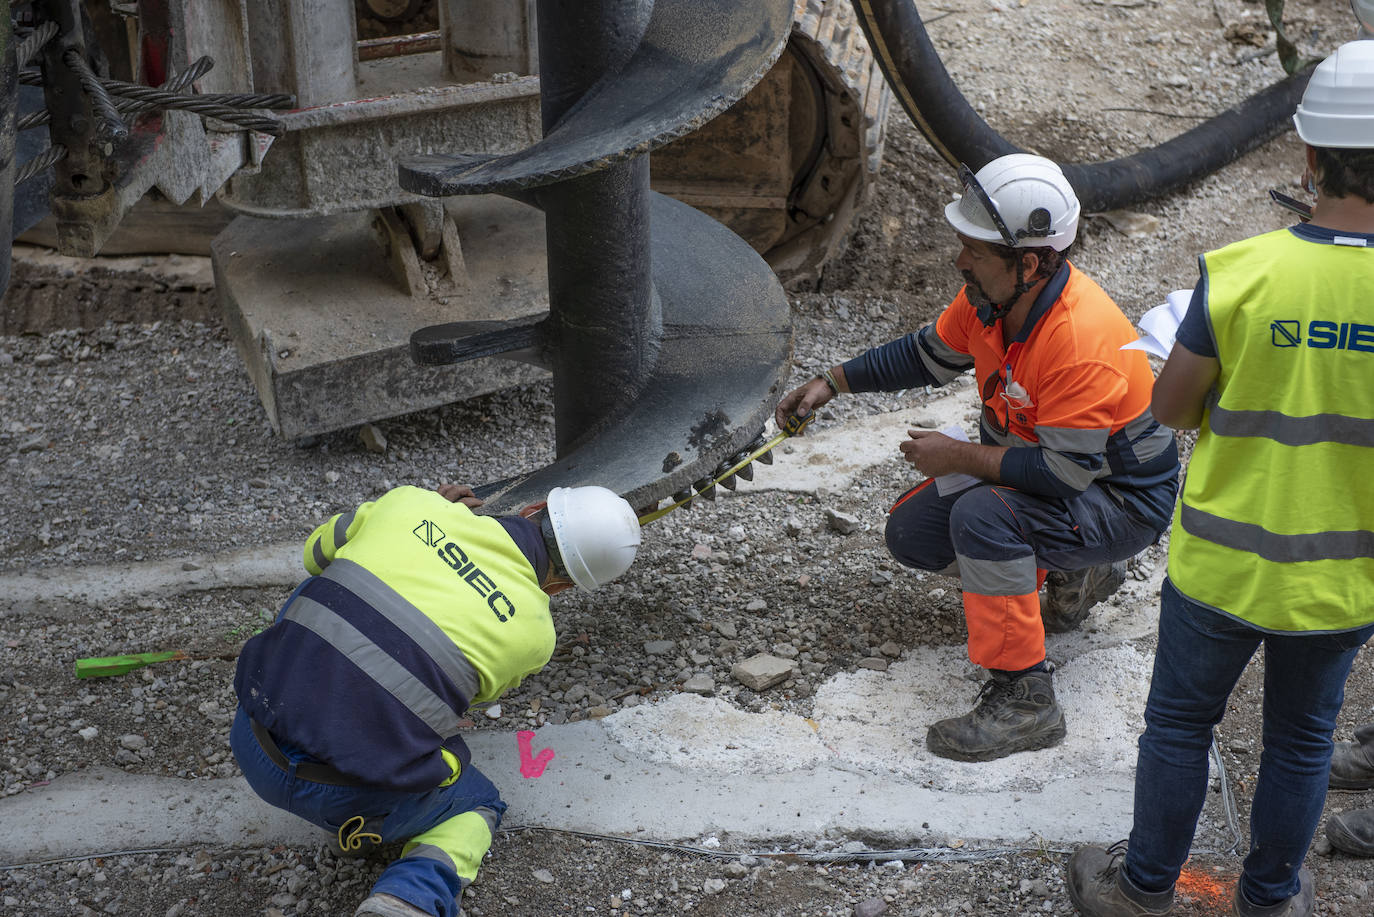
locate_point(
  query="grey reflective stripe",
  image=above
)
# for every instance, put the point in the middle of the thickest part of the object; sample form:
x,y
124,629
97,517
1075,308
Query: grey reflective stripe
x,y
998,577
375,663
490,817
411,621
1294,431
1155,444
1282,549
1007,439
1072,439
430,852
1070,472
317,552
341,529
940,360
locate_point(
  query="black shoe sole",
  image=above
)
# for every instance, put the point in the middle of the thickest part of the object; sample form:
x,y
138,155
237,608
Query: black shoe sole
x,y
1346,842
1031,743
1341,783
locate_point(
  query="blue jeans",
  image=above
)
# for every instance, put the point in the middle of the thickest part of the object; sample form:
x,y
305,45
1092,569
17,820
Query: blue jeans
x,y
430,884
1201,655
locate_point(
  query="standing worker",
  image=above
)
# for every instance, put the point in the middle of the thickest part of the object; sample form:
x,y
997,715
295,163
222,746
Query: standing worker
x,y
416,608
1273,542
1075,475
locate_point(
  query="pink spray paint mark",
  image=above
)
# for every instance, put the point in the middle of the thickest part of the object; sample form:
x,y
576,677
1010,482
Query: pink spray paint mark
x,y
531,765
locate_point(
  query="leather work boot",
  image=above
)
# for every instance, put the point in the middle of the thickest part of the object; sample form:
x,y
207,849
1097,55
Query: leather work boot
x,y
1098,887
381,904
1352,832
1300,905
1069,596
1352,763
1012,714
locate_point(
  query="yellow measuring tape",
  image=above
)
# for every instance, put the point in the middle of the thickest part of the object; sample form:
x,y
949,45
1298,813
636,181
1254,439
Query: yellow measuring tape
x,y
794,426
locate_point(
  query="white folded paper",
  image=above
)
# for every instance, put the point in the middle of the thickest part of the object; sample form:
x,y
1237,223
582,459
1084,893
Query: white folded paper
x,y
1159,326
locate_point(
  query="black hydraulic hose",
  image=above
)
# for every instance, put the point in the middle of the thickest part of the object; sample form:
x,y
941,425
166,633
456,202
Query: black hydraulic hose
x,y
941,113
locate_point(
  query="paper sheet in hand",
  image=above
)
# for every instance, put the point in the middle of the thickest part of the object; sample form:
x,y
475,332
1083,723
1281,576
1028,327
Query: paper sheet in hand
x,y
1159,326
947,484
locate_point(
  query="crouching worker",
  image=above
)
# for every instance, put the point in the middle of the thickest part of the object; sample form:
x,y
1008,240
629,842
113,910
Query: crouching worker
x,y
416,608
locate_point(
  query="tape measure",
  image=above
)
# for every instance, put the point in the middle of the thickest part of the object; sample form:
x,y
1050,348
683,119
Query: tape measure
x,y
793,427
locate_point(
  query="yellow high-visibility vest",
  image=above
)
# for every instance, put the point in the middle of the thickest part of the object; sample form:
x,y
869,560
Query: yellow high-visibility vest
x,y
1276,521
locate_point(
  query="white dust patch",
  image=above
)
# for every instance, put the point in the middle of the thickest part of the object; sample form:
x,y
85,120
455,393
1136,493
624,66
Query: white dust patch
x,y
707,733
877,720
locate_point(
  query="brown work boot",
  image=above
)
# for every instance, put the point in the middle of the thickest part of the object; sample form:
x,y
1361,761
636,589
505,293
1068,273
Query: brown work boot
x,y
1013,713
1352,763
1069,596
1352,832
1098,887
1300,905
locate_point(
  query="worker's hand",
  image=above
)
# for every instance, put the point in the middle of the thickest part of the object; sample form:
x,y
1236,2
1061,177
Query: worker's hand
x,y
459,493
801,401
933,453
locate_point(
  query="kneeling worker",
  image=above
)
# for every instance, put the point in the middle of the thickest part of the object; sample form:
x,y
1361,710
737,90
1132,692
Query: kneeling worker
x,y
1075,476
350,703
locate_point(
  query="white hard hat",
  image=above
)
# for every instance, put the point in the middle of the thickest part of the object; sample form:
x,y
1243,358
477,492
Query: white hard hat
x,y
1020,200
597,533
1337,108
1364,11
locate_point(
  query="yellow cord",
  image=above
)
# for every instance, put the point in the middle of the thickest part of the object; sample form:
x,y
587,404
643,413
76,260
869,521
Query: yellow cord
x,y
357,835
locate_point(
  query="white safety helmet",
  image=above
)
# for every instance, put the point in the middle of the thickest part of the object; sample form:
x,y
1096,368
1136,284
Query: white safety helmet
x,y
1019,200
1337,108
597,533
1364,11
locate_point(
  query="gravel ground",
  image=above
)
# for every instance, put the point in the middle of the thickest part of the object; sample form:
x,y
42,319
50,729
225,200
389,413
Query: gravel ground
x,y
142,439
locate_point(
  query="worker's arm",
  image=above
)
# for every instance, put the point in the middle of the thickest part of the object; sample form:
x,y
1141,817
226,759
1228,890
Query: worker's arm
x,y
1183,387
326,540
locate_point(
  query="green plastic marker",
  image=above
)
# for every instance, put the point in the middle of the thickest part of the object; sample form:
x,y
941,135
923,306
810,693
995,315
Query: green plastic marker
x,y
100,666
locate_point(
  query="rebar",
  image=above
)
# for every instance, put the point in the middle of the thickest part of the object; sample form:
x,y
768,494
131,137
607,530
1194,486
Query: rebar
x,y
111,125
33,43
46,159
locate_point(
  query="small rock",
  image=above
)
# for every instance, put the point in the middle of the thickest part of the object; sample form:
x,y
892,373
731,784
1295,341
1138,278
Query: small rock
x,y
133,742
493,712
45,359
726,629
32,445
756,605
736,870
331,477
89,733
792,526
190,565
840,522
598,712
761,671
700,683
659,647
543,875
871,907
880,578
1321,846
785,650
876,663
373,439
713,886
1131,224
890,649
701,551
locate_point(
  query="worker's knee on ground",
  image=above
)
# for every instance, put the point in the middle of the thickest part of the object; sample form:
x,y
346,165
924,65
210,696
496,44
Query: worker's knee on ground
x,y
916,542
462,841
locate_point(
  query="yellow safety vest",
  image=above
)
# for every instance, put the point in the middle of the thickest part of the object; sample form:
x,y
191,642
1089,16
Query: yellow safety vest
x,y
1276,522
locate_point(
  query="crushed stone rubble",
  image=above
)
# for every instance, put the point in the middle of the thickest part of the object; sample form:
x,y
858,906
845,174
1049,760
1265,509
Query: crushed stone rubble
x,y
138,441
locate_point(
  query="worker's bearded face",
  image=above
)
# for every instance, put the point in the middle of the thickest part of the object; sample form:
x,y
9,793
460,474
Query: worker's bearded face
x,y
988,310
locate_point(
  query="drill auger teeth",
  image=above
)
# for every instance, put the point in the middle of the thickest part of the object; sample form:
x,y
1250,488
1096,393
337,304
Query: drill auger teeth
x,y
747,472
705,488
684,497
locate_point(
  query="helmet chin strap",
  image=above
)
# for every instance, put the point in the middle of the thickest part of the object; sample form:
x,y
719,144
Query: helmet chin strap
x,y
990,312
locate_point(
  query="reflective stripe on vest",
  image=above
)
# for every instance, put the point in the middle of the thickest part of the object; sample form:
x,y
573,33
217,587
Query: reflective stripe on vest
x,y
1275,525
